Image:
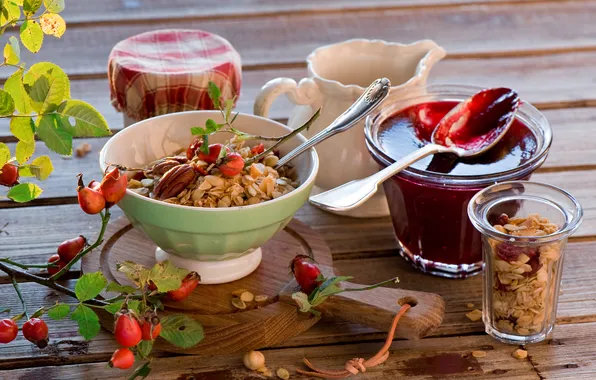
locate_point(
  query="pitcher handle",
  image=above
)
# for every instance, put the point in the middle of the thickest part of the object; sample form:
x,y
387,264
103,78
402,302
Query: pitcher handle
x,y
303,93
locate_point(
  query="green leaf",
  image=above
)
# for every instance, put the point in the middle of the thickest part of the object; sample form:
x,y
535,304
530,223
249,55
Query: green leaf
x,y
4,154
10,12
51,131
116,287
47,85
31,35
144,348
31,6
166,276
141,371
41,167
22,128
136,273
211,126
14,86
59,311
87,320
12,51
90,285
198,131
228,106
214,94
88,122
205,147
53,24
24,192
6,104
54,6
115,307
326,289
181,331
24,151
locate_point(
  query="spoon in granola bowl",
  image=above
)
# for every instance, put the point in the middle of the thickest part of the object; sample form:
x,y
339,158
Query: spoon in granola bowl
x,y
470,129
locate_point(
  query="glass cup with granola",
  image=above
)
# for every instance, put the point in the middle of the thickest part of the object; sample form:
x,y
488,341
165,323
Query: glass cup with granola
x,y
524,226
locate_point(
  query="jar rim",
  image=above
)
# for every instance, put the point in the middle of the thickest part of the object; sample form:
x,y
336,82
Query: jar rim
x,y
477,213
527,113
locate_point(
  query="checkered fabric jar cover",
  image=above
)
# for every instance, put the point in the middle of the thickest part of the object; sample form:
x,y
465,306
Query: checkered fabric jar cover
x,y
167,71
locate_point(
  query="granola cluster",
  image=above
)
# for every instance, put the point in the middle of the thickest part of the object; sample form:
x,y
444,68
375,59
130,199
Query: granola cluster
x,y
524,277
197,183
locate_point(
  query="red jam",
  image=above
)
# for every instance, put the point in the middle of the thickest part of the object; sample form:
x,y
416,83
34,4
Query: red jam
x,y
430,218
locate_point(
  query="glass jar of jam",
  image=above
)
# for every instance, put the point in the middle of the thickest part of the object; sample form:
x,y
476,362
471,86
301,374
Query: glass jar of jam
x,y
428,200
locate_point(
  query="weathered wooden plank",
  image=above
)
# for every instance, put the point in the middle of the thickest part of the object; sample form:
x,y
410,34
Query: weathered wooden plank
x,y
428,358
526,29
88,11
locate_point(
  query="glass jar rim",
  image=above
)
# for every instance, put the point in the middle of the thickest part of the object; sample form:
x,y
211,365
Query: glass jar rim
x,y
527,113
477,214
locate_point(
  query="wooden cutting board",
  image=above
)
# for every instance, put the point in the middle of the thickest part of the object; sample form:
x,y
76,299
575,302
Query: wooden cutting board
x,y
229,330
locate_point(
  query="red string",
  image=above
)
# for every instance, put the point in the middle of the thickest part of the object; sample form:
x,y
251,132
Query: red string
x,y
357,365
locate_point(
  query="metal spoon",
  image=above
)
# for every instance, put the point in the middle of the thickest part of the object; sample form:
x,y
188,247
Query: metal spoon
x,y
469,129
367,102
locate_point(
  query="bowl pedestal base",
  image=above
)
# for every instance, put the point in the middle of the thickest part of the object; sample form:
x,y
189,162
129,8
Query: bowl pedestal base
x,y
216,272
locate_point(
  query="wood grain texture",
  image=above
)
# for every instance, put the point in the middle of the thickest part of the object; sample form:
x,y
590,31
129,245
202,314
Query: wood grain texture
x,y
89,11
498,30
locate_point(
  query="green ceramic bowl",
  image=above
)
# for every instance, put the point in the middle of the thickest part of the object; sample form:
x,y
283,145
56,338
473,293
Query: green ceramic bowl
x,y
221,241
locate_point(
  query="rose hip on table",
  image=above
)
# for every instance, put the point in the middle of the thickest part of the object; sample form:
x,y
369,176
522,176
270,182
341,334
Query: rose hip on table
x,y
9,175
8,330
127,329
306,272
123,358
35,330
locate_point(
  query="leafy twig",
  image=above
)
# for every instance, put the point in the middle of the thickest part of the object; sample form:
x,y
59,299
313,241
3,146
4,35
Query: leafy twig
x,y
18,290
105,218
27,266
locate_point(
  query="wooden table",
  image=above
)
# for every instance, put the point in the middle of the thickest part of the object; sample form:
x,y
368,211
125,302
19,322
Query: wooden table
x,y
544,48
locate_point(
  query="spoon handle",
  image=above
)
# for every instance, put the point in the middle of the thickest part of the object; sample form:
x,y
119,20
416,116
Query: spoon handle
x,y
368,101
354,193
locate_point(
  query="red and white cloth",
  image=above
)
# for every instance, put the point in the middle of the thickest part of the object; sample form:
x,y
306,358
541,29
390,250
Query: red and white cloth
x,y
167,71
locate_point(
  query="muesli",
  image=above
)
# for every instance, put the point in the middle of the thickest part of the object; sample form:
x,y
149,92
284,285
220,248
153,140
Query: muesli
x,y
524,277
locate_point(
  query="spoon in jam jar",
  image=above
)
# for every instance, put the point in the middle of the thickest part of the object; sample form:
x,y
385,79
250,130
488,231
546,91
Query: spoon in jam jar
x,y
470,129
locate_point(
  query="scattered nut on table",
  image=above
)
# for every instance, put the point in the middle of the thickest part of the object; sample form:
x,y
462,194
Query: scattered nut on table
x,y
520,354
254,360
238,292
247,297
282,373
82,150
474,315
479,354
470,306
261,298
238,303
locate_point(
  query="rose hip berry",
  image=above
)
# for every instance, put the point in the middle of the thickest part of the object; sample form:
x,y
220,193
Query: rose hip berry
x,y
151,327
35,331
8,330
94,185
91,201
122,358
9,175
307,274
56,260
257,149
189,284
127,329
214,151
113,186
231,165
193,147
68,249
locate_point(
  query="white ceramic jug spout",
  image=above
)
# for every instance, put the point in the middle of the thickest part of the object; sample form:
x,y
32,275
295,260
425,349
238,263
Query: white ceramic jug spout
x,y
338,75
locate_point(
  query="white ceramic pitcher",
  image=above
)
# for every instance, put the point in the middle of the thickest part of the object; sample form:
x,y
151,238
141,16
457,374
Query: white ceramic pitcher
x,y
338,75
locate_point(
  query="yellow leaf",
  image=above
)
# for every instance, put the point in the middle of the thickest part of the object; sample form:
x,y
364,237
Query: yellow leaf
x,y
53,24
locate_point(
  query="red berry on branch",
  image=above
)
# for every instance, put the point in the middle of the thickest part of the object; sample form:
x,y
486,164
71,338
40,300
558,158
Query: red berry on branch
x,y
91,201
35,331
59,264
122,358
306,272
189,284
232,165
214,151
151,328
68,249
113,186
9,175
127,329
257,149
8,330
94,185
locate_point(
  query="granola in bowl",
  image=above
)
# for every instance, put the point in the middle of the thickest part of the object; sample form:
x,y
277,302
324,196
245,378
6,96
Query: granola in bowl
x,y
210,180
523,276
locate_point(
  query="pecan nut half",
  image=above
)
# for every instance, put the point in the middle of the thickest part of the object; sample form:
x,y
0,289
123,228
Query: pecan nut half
x,y
163,166
174,181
